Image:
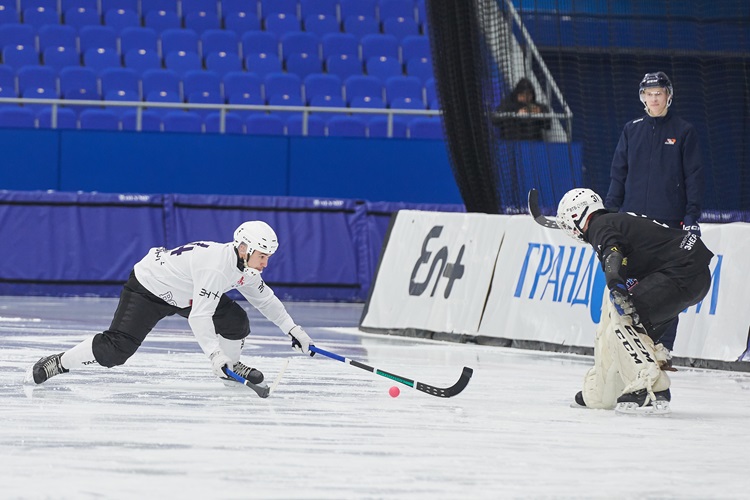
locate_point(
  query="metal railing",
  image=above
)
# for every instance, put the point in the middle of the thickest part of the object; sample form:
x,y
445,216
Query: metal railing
x,y
223,109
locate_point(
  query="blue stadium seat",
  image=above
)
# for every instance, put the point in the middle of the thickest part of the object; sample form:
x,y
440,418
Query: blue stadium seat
x,y
262,124
66,118
138,38
119,19
383,67
183,121
343,66
142,60
300,42
415,46
19,56
400,27
232,123
334,44
17,34
202,21
285,100
72,4
17,117
150,120
101,58
346,126
303,64
260,42
57,35
223,63
35,4
161,80
360,26
420,67
281,23
79,83
238,83
422,15
199,6
241,22
8,79
322,85
426,128
151,5
378,127
270,7
396,8
219,41
162,96
316,125
99,119
182,62
9,14
38,17
313,7
363,86
79,17
321,24
120,80
407,103
404,86
97,37
349,8
380,45
161,20
61,57
33,78
204,98
175,40
279,84
121,96
194,82
246,98
327,101
132,5
263,64
366,102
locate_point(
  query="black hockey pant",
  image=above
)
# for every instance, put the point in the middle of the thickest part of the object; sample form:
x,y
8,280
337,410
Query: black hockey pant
x,y
140,310
660,297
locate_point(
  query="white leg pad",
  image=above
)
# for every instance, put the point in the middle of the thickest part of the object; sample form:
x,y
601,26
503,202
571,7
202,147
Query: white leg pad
x,y
232,348
79,355
602,385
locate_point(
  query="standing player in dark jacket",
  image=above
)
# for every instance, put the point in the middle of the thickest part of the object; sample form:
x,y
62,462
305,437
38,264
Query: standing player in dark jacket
x,y
657,169
671,270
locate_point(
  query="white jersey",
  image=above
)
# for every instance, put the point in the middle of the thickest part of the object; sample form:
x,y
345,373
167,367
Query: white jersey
x,y
196,275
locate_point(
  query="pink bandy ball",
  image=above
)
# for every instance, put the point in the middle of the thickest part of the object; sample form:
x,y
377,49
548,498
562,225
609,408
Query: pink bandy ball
x,y
394,391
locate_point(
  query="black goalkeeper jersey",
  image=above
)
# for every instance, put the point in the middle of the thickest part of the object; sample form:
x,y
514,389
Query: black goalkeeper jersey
x,y
649,246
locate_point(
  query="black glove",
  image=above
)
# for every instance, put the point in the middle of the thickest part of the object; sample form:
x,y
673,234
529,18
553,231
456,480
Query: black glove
x,y
622,301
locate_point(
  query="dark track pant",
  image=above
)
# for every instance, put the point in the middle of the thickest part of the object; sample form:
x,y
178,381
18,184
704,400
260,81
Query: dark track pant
x,y
139,311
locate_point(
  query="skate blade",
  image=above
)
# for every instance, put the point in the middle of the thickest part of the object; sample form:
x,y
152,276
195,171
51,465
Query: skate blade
x,y
659,408
28,377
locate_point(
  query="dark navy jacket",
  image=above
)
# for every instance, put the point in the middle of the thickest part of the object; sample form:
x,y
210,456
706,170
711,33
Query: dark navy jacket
x,y
657,170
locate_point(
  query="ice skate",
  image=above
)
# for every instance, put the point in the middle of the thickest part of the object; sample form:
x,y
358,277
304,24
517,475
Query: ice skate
x,y
46,368
252,375
640,403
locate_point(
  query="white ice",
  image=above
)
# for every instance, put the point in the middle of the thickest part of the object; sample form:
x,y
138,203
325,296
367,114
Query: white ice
x,y
163,426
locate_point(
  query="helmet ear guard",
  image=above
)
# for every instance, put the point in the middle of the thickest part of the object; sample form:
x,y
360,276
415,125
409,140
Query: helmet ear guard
x,y
575,208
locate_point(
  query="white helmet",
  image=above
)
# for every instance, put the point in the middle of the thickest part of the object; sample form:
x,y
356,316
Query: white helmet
x,y
257,235
574,208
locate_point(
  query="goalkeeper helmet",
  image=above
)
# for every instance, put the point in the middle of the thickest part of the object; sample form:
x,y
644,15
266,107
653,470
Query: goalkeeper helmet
x,y
257,235
574,208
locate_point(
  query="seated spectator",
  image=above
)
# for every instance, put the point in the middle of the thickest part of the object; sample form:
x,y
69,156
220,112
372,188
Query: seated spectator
x,y
522,102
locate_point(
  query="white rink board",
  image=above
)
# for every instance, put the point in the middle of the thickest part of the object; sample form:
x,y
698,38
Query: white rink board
x,y
435,272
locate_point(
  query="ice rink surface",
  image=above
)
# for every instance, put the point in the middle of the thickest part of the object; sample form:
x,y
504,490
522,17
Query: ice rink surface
x,y
162,426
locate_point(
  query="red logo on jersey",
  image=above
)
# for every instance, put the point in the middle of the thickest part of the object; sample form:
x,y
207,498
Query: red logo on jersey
x,y
241,281
671,142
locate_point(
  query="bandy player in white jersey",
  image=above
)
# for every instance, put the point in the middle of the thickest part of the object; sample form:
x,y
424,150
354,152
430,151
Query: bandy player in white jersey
x,y
191,281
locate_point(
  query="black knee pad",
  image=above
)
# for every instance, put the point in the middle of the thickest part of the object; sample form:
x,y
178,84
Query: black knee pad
x,y
231,322
113,348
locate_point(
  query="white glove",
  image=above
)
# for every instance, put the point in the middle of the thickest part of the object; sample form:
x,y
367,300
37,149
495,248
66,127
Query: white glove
x,y
220,360
301,341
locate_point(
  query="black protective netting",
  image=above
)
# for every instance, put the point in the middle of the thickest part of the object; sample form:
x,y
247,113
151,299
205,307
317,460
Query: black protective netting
x,y
585,60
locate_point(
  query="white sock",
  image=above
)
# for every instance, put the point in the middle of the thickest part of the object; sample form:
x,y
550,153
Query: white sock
x,y
232,348
80,355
